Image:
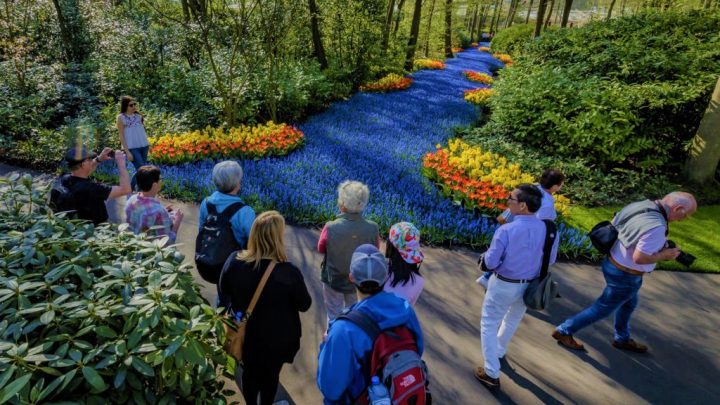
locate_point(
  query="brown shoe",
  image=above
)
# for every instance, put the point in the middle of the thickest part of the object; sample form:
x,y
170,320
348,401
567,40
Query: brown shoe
x,y
631,346
486,380
567,341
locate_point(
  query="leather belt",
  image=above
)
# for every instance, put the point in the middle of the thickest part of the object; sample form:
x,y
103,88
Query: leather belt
x,y
625,269
510,280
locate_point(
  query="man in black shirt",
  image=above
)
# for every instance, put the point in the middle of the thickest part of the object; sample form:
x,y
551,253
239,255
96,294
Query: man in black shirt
x,y
88,195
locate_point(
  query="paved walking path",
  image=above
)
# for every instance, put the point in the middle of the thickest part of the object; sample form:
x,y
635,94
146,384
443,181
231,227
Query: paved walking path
x,y
677,317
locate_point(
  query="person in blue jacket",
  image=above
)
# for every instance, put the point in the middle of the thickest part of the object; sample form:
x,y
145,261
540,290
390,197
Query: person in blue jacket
x,y
347,347
227,176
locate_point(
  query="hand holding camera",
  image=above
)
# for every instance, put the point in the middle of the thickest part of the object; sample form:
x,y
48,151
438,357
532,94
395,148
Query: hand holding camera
x,y
686,259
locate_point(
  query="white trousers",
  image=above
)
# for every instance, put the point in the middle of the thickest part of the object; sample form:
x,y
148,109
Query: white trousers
x,y
336,301
502,311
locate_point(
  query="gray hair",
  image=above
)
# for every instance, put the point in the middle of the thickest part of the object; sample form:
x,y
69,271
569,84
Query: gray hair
x,y
681,198
353,195
227,175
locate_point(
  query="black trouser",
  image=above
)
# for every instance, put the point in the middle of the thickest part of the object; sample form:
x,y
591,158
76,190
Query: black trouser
x,y
262,378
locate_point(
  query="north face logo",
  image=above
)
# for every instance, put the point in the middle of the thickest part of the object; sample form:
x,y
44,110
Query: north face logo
x,y
407,381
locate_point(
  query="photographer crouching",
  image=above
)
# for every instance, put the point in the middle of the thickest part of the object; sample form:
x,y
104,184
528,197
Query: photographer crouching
x,y
642,229
82,197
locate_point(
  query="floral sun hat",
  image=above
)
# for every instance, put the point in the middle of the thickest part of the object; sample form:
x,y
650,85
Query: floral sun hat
x,y
406,239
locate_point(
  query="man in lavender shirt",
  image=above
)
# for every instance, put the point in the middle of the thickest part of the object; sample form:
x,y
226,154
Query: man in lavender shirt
x,y
642,242
515,257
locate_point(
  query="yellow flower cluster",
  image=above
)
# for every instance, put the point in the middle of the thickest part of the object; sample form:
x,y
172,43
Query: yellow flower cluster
x,y
486,166
484,49
562,205
479,96
428,64
504,58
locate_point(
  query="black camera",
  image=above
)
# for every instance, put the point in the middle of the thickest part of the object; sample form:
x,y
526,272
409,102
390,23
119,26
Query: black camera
x,y
111,154
686,259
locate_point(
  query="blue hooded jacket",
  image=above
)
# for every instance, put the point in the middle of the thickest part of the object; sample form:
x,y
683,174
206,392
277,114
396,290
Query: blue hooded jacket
x,y
339,374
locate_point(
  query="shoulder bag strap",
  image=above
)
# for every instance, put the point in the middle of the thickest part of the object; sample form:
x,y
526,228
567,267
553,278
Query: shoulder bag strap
x,y
636,213
259,290
550,236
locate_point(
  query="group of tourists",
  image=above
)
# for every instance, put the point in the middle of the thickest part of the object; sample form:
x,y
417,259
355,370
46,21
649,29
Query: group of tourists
x,y
371,326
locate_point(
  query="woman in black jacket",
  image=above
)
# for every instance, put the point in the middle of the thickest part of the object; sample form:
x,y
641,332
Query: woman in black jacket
x,y
273,331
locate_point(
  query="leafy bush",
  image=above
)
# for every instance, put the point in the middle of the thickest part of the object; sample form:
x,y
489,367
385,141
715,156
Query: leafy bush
x,y
626,94
511,40
98,315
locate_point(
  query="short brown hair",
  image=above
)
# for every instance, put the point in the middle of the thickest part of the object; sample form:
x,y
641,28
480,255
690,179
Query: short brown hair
x,y
146,176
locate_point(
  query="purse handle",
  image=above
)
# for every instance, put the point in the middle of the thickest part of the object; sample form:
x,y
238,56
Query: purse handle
x,y
259,290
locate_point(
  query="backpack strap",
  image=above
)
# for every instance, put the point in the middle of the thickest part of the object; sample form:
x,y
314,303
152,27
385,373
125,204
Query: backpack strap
x,y
364,322
550,236
211,208
230,211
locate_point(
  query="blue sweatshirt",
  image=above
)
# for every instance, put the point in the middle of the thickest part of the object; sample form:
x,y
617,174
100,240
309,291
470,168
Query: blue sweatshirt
x,y
241,222
339,374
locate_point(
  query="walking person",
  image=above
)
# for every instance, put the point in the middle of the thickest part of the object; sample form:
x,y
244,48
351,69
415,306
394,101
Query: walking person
x,y
145,213
338,240
551,181
642,242
515,256
404,259
131,128
273,331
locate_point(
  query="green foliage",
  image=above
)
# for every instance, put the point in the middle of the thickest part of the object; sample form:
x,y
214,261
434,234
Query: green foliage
x,y
626,95
511,40
98,315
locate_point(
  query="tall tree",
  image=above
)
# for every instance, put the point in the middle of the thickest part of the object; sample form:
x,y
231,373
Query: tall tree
x,y
549,14
566,13
401,3
412,41
448,28
511,12
527,19
75,40
318,48
388,24
540,15
428,27
704,154
610,9
483,19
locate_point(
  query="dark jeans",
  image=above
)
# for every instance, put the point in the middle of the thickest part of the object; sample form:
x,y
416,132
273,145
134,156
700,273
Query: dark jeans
x,y
620,296
261,378
140,158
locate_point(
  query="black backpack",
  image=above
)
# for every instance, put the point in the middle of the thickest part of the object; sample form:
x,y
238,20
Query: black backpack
x,y
62,198
216,242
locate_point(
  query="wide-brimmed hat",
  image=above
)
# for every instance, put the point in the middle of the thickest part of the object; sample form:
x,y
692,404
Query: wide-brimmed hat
x,y
406,239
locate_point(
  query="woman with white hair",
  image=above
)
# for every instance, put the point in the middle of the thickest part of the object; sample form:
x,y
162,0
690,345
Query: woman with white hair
x,y
224,205
338,240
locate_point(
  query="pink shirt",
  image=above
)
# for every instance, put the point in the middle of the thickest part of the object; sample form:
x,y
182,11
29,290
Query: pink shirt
x,y
650,243
409,291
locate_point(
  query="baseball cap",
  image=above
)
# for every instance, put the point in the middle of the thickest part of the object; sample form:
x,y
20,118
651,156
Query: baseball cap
x,y
368,264
77,154
406,239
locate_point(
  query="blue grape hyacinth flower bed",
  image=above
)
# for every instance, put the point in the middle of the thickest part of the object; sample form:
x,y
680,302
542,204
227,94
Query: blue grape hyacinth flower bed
x,y
378,139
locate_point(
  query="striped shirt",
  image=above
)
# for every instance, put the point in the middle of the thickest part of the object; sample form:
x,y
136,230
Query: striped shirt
x,y
142,213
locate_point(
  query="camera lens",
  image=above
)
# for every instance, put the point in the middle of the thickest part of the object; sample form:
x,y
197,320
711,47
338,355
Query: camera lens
x,y
111,155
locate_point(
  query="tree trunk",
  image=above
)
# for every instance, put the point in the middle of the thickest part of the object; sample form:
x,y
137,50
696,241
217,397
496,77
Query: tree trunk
x,y
497,20
412,41
494,14
566,13
318,48
622,7
705,149
387,26
540,15
549,14
511,13
429,25
707,3
473,22
527,19
397,16
481,22
610,9
448,29
72,30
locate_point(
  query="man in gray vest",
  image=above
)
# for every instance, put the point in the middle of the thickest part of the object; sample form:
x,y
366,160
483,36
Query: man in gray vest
x,y
338,240
642,242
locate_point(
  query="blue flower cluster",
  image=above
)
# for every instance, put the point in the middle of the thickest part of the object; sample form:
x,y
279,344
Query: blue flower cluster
x,y
378,139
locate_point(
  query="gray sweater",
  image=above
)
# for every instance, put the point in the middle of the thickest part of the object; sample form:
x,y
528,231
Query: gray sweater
x,y
629,233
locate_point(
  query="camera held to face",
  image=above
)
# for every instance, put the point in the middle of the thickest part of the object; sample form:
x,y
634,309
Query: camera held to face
x,y
686,259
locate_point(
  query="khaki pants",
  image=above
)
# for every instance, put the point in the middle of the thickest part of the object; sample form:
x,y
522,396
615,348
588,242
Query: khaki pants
x,y
336,301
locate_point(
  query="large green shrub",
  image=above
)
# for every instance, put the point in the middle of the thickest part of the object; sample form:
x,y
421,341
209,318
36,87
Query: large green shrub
x,y
98,315
628,93
513,39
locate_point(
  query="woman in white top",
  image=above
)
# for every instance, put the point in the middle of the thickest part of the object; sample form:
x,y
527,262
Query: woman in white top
x,y
130,125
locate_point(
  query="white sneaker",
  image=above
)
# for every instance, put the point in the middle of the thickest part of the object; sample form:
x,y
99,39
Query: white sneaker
x,y
483,281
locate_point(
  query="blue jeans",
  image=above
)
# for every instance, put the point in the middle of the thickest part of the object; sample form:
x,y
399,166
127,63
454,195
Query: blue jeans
x,y
620,296
140,157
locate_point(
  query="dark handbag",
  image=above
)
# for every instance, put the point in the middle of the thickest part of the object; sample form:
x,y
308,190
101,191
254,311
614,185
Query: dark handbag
x,y
604,235
543,289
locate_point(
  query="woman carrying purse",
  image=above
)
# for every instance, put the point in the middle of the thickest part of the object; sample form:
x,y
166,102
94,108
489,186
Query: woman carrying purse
x,y
272,335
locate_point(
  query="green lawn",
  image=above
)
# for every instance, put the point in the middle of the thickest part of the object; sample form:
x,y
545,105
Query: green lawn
x,y
698,235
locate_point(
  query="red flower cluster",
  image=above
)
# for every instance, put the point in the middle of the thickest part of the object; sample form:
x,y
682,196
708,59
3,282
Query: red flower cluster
x,y
456,183
457,50
391,82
